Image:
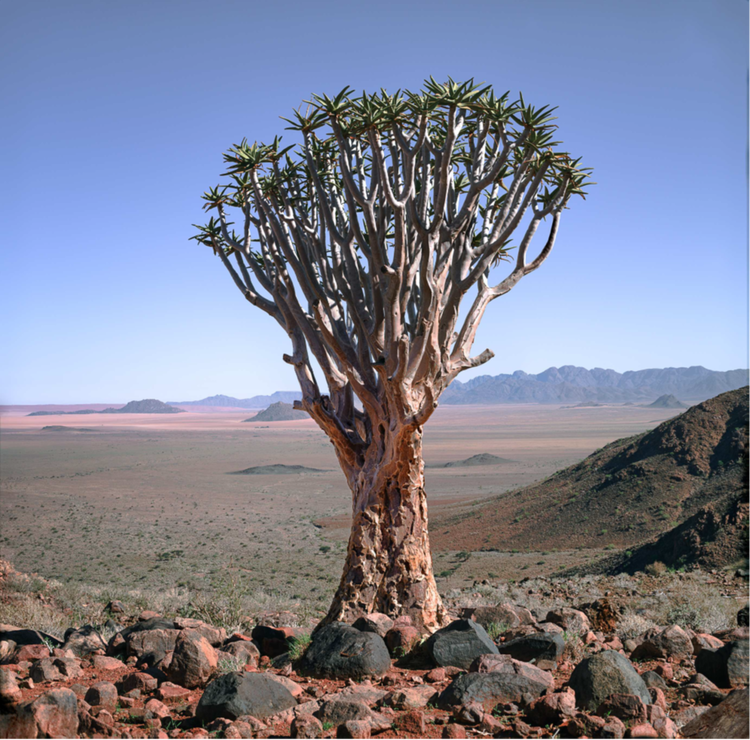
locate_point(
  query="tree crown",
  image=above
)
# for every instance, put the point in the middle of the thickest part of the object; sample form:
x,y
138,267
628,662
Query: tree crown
x,y
363,240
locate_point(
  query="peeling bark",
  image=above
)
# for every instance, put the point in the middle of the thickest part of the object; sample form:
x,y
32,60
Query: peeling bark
x,y
388,565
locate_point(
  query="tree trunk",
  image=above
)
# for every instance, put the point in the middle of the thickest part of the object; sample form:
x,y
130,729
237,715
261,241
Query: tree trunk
x,y
388,563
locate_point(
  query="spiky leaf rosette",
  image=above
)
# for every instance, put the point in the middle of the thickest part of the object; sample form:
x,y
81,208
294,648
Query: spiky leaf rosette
x,y
363,240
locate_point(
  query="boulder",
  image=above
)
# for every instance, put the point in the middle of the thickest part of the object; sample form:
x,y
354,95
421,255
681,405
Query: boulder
x,y
338,650
626,707
401,638
10,694
702,641
411,697
273,641
727,667
506,681
540,647
215,635
505,615
44,670
653,680
306,726
374,622
106,663
571,620
19,724
459,644
102,694
729,719
244,650
150,647
336,711
84,641
233,695
671,642
553,708
194,660
56,713
597,678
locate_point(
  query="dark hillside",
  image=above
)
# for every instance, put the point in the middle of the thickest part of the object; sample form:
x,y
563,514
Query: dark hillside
x,y
625,494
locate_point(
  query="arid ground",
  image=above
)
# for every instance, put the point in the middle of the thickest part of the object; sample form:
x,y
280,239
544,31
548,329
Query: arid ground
x,y
147,502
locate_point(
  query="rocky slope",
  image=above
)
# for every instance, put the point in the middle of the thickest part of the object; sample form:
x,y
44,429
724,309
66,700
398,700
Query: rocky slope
x,y
279,412
624,494
501,670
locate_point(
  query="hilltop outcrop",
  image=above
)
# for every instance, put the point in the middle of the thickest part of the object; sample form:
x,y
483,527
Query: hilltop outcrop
x,y
626,493
279,411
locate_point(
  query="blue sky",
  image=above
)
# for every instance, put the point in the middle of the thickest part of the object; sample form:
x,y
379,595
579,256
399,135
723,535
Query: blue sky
x,y
116,115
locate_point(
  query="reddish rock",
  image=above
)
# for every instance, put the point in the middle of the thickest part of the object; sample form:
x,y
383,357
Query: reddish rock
x,y
411,697
102,694
626,707
436,675
106,663
171,692
412,722
644,729
154,708
306,726
374,622
401,638
571,620
45,670
665,671
194,660
454,730
553,708
506,616
56,713
702,641
146,615
613,727
603,616
672,642
469,713
69,667
10,694
18,724
657,697
244,650
31,652
354,728
137,680
489,725
215,635
585,725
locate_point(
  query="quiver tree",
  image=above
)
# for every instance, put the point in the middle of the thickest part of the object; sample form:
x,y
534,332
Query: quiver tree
x,y
362,242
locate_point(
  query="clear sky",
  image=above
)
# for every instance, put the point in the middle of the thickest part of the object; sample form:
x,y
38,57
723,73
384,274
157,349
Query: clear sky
x,y
115,116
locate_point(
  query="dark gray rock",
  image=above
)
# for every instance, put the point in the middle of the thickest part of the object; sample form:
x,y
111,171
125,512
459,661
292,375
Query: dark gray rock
x,y
236,694
340,651
84,641
339,710
730,719
727,667
151,647
743,616
542,646
653,680
595,679
508,681
459,644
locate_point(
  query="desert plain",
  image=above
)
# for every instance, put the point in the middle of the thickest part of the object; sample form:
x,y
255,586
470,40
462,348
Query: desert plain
x,y
148,501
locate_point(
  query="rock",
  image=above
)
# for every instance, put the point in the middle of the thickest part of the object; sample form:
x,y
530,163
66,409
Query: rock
x,y
585,725
341,709
411,697
194,660
627,707
602,615
18,724
701,694
44,670
571,620
338,650
454,731
400,639
701,642
470,713
729,719
657,699
273,641
56,713
306,726
10,694
553,708
459,644
84,641
503,616
549,627
374,622
138,680
541,647
148,616
354,728
102,694
233,695
245,651
215,635
154,708
613,727
653,680
106,663
69,667
150,647
31,652
171,692
672,642
508,681
412,723
743,617
7,649
115,607
293,688
727,667
596,678
643,729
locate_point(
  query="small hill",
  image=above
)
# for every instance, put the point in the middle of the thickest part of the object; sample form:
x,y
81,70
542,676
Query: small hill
x,y
667,401
625,494
255,402
146,406
60,428
70,413
277,469
483,458
279,412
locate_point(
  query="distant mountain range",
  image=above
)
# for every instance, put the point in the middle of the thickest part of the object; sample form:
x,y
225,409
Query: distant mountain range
x,y
570,384
256,402
146,406
567,384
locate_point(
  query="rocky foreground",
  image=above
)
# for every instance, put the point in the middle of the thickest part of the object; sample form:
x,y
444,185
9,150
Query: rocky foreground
x,y
564,673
